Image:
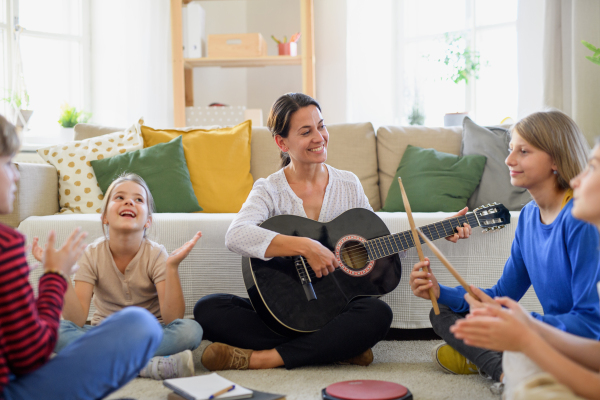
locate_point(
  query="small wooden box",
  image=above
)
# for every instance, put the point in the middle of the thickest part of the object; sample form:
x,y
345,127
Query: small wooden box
x,y
236,45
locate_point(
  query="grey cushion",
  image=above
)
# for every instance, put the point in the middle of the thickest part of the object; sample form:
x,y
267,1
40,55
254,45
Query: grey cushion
x,y
495,186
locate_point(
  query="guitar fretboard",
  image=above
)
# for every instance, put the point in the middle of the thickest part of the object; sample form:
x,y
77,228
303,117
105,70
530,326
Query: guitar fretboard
x,y
392,244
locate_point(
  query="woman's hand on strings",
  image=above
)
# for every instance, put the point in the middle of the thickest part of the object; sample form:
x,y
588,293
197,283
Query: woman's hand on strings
x,y
421,281
320,258
463,232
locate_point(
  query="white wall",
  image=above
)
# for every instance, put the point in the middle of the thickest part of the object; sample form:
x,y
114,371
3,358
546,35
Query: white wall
x,y
530,43
131,73
260,87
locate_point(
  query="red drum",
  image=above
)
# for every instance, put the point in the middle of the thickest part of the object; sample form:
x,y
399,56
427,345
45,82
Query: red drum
x,y
366,390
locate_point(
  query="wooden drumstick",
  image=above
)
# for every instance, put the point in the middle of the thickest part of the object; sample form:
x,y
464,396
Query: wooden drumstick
x,y
413,228
447,264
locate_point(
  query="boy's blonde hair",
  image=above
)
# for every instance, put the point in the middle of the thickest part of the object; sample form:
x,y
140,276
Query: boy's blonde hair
x,y
9,140
555,133
125,177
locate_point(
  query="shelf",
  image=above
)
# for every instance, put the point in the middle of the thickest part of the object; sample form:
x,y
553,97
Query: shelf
x,y
243,62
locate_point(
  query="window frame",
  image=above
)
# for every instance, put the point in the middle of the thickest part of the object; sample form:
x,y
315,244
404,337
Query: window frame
x,y
83,40
472,31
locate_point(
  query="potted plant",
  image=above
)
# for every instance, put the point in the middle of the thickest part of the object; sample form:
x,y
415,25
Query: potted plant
x,y
463,65
20,101
595,58
69,117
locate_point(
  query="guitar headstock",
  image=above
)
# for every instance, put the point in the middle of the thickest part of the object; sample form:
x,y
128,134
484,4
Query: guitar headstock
x,y
492,216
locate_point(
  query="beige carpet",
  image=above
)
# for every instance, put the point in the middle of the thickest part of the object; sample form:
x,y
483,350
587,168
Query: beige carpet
x,y
405,362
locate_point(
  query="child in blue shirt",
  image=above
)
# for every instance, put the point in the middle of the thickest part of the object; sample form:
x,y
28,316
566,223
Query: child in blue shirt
x,y
551,251
541,361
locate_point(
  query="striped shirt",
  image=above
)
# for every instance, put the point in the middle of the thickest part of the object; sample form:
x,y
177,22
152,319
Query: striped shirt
x,y
28,327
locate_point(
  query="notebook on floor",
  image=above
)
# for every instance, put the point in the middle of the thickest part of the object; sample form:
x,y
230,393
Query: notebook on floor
x,y
203,387
256,395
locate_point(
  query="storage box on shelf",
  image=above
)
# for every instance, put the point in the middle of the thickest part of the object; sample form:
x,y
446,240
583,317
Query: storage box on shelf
x,y
237,45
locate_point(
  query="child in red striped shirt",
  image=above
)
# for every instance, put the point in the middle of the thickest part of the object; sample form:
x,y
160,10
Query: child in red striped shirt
x,y
29,326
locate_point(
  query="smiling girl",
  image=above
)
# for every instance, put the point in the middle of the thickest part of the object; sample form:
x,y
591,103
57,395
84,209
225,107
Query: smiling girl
x,y
126,269
552,250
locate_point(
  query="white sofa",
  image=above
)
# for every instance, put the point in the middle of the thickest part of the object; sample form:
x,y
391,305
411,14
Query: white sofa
x,y
211,268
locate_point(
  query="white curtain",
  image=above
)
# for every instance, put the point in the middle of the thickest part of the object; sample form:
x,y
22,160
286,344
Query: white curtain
x,y
571,82
131,62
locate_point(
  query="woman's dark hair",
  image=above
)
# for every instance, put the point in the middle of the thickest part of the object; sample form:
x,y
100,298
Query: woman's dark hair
x,y
281,114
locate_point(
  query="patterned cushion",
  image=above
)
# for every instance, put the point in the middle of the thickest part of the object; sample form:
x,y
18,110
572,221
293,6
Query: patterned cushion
x,y
78,189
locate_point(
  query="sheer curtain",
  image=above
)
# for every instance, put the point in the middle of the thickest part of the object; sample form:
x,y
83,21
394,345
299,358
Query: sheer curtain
x,y
571,82
131,72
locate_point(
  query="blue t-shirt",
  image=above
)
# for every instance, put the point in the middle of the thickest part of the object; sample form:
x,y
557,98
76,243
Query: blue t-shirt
x,y
561,260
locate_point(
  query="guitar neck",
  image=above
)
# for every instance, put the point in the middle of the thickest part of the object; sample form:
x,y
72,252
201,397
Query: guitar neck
x,y
392,244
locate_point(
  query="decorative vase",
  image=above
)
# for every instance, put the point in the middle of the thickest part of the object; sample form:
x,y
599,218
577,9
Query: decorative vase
x,y
454,119
26,116
66,134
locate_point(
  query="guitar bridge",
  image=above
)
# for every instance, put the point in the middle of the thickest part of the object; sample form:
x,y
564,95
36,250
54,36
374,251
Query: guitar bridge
x,y
302,269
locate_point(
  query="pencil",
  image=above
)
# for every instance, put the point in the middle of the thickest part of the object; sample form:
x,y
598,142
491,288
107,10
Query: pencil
x,y
220,392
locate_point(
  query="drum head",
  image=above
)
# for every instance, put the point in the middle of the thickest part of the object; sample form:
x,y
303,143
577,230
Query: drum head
x,y
366,390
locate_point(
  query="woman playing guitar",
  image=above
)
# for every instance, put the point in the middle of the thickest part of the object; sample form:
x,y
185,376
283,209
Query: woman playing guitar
x,y
307,187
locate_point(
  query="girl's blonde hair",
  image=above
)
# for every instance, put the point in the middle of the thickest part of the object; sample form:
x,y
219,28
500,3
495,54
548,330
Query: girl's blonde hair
x,y
125,177
555,133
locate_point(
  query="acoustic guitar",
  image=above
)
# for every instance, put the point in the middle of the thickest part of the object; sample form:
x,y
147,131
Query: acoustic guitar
x,y
292,301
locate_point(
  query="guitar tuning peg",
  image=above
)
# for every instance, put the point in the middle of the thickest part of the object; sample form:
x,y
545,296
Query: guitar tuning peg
x,y
486,230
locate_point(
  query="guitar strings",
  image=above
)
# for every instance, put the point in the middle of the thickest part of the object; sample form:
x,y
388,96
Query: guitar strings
x,y
384,243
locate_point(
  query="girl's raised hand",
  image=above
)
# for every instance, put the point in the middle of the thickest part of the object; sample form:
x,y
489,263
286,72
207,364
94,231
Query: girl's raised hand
x,y
178,255
64,258
36,249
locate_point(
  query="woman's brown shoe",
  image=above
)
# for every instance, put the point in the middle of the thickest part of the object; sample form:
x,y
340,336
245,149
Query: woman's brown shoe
x,y
362,359
219,356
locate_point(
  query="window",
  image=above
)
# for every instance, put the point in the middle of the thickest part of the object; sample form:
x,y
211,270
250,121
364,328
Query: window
x,y
54,47
393,67
488,28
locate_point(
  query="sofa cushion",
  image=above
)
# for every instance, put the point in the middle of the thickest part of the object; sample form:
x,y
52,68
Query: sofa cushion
x,y
164,170
495,186
353,147
88,131
393,140
218,161
434,181
78,189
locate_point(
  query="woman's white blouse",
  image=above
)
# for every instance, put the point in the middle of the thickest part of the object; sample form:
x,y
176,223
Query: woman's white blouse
x,y
274,196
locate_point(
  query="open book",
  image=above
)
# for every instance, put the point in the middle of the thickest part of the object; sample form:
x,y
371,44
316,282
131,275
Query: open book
x,y
205,386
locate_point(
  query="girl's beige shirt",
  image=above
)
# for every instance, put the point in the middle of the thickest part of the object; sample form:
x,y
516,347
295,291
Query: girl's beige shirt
x,y
114,290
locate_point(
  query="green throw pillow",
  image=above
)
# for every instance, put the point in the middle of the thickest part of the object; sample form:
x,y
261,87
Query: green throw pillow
x,y
164,169
434,181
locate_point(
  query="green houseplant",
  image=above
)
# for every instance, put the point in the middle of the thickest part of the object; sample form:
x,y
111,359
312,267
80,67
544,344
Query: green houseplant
x,y
70,116
20,101
595,58
463,62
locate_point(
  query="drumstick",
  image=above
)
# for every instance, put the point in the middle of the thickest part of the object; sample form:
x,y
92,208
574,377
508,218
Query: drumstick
x,y
447,264
413,228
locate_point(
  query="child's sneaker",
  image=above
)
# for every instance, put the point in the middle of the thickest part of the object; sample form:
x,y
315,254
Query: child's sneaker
x,y
450,360
178,365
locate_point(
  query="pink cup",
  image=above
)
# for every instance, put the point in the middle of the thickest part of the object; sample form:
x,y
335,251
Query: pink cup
x,y
288,49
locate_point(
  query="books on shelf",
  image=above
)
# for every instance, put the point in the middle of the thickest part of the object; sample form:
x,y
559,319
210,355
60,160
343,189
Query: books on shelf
x,y
194,31
204,386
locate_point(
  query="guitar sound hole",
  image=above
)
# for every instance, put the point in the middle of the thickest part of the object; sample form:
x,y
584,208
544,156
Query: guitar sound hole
x,y
354,255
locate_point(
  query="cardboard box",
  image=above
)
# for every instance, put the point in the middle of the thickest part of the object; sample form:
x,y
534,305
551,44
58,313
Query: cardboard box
x,y
236,45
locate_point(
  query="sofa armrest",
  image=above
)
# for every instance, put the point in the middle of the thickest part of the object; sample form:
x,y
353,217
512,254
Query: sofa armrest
x,y
37,193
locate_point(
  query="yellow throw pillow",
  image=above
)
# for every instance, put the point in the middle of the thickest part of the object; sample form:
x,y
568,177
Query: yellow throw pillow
x,y
218,160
